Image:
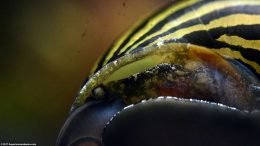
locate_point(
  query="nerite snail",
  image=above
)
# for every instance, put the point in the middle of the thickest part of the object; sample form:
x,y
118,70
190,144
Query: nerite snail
x,y
188,75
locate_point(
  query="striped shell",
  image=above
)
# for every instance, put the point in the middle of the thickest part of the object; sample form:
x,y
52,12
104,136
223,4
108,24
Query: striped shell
x,y
205,52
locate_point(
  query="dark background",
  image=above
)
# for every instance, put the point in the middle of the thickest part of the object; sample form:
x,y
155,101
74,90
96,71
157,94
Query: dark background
x,y
47,50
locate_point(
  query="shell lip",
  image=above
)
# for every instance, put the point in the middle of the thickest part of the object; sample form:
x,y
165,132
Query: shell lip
x,y
96,114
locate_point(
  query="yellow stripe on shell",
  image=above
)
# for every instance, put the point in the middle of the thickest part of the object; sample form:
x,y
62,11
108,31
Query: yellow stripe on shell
x,y
149,25
239,41
236,55
208,8
227,21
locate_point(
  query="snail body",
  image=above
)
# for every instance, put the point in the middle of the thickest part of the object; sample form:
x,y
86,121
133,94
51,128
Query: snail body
x,y
196,55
